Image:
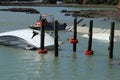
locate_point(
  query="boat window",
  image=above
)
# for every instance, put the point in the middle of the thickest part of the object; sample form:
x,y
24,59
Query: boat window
x,y
14,42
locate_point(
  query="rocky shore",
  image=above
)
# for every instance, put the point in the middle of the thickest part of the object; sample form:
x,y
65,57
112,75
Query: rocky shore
x,y
109,13
26,3
84,13
115,14
26,10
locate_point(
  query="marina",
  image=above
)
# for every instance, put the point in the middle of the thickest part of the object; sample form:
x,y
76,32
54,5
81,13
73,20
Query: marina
x,y
19,64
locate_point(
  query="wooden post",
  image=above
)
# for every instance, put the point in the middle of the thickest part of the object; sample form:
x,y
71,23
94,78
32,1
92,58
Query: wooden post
x,y
56,37
42,50
90,36
89,50
75,34
42,35
111,40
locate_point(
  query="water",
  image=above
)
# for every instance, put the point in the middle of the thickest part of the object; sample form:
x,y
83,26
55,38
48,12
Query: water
x,y
18,64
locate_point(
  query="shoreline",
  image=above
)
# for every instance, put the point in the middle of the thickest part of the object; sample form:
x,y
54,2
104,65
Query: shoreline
x,y
53,5
87,13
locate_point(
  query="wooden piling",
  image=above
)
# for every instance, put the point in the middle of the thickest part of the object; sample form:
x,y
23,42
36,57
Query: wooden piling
x,y
42,50
42,35
75,34
111,40
89,50
56,37
90,35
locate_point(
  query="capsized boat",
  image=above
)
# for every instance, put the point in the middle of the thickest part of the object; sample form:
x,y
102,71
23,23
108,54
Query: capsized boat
x,y
25,38
48,23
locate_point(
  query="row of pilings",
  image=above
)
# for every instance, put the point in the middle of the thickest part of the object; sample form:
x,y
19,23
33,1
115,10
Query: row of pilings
x,y
74,40
89,50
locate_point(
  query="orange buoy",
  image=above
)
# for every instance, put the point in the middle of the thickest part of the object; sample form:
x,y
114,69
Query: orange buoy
x,y
87,52
40,51
72,41
38,23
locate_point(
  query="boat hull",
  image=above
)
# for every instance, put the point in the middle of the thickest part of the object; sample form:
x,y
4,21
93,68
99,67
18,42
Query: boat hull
x,y
24,38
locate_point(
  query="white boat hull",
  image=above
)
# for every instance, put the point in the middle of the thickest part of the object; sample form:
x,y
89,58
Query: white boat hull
x,y
26,35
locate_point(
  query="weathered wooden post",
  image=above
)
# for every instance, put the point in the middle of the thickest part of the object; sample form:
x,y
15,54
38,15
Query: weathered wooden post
x,y
42,35
111,44
56,37
89,50
42,50
90,36
75,34
74,40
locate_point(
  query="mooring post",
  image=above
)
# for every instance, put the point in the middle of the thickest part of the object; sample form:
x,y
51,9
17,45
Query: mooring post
x,y
74,40
56,37
42,50
90,36
42,35
111,44
75,34
89,50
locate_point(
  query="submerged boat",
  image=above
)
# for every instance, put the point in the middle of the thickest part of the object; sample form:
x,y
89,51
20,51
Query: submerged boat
x,y
26,38
48,23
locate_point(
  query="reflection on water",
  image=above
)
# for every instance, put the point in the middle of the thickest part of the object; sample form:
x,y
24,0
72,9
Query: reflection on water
x,y
18,64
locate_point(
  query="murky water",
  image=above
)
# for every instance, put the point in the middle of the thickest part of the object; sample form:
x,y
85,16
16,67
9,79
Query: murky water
x,y
18,64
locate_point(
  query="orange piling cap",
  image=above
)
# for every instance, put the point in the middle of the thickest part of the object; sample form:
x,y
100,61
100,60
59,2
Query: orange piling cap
x,y
40,51
72,41
86,52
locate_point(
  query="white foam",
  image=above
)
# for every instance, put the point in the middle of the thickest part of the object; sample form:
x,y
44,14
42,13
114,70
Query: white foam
x,y
99,36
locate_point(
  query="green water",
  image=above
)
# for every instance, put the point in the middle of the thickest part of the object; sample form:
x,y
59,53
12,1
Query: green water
x,y
18,64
